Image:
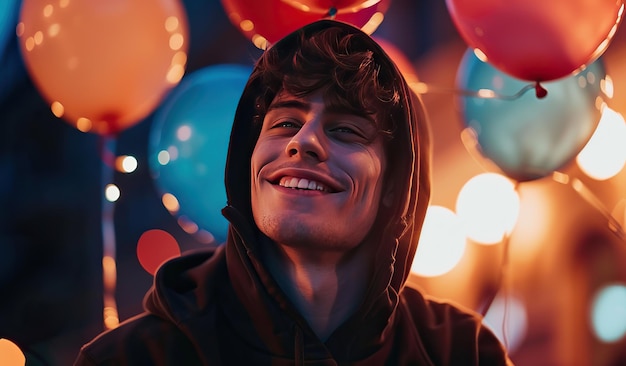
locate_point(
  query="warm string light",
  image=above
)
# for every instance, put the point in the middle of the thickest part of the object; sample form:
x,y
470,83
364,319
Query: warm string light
x,y
109,268
420,87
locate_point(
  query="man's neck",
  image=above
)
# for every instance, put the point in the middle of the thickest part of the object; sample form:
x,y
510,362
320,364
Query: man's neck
x,y
326,288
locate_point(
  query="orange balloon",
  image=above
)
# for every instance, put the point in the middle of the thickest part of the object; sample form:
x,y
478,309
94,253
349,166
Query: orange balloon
x,y
103,65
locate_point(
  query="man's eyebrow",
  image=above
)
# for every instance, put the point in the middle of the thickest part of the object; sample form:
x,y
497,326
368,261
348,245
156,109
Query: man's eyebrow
x,y
305,107
290,103
341,110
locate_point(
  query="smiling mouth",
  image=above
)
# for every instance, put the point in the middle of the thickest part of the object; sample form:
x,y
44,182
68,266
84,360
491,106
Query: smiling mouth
x,y
303,184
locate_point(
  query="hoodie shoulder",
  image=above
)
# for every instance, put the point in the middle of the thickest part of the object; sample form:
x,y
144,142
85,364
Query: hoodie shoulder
x,y
159,336
142,340
453,335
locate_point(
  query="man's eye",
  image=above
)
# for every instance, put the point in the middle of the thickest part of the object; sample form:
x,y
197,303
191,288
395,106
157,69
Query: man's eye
x,y
285,124
346,130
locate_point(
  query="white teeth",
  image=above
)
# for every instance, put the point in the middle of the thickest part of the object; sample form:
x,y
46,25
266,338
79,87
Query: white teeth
x,y
301,183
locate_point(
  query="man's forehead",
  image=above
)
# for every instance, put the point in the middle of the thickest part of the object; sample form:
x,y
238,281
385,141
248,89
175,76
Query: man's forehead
x,y
285,99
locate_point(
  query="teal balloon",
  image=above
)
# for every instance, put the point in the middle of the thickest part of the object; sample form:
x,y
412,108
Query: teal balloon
x,y
188,143
8,20
525,136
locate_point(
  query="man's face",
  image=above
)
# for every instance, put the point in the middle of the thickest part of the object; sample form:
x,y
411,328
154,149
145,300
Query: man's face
x,y
317,174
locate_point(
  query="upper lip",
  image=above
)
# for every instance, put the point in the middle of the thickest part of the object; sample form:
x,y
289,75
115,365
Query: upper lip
x,y
321,178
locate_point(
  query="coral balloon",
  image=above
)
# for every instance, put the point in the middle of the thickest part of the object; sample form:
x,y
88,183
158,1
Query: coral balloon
x,y
526,137
189,141
104,65
265,22
401,60
537,40
321,6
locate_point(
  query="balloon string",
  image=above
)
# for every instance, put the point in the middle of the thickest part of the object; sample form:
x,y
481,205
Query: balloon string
x,y
503,287
587,194
502,276
109,270
424,88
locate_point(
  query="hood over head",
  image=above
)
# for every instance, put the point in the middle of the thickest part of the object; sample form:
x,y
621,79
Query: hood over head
x,y
408,150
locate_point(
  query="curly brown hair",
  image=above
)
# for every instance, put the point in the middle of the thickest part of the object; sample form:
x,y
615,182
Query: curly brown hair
x,y
340,65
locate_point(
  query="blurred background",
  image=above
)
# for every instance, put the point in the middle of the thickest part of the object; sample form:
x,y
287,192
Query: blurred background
x,y
529,194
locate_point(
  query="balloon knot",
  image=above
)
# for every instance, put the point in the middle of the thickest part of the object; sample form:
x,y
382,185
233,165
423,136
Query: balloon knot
x,y
540,91
332,12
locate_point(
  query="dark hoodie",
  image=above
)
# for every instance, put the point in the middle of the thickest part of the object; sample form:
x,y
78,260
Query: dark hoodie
x,y
222,307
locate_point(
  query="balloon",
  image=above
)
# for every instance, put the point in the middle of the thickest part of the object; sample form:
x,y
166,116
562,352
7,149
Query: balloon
x,y
537,40
400,59
8,12
189,142
324,6
524,136
265,22
104,65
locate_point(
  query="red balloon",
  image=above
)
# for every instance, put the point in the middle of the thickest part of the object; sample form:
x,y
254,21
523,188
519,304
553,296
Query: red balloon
x,y
103,65
325,5
265,22
537,40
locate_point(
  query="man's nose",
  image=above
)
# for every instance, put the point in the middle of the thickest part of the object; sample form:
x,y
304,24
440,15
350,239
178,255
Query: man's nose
x,y
309,141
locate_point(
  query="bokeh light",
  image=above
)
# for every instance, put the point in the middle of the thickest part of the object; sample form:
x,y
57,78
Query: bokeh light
x,y
605,153
184,133
170,202
126,163
163,157
155,247
10,354
608,313
205,237
508,319
441,244
487,207
111,192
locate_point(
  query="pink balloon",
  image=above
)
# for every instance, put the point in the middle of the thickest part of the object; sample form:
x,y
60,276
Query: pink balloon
x,y
537,40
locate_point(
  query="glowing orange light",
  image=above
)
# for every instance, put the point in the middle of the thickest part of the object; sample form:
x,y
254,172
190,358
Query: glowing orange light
x,y
488,206
604,156
441,244
11,354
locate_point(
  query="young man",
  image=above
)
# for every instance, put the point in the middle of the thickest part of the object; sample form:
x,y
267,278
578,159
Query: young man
x,y
328,183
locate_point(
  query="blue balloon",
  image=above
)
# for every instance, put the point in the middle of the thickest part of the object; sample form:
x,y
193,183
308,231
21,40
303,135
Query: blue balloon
x,y
189,142
9,10
525,136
